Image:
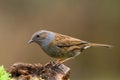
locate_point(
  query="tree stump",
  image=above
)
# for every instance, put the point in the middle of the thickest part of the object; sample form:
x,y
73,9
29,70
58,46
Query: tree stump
x,y
50,71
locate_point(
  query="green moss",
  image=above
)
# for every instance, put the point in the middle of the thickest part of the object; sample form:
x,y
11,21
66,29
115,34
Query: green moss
x,y
3,74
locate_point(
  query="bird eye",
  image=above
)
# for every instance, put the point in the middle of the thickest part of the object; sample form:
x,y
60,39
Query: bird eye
x,y
37,36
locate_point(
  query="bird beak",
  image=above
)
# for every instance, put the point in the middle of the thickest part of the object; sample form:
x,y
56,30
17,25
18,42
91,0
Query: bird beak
x,y
30,41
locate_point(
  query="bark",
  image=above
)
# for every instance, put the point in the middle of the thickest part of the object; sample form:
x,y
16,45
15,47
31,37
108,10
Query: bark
x,y
49,71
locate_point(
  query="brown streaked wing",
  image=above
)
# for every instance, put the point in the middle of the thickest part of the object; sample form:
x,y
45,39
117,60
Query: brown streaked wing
x,y
66,41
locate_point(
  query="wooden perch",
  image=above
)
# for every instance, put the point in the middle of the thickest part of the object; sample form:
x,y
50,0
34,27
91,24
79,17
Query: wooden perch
x,y
50,71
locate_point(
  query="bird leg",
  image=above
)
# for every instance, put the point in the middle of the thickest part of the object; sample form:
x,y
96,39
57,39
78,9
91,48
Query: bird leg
x,y
60,61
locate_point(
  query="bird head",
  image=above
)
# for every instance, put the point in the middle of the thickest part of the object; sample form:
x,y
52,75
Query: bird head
x,y
42,37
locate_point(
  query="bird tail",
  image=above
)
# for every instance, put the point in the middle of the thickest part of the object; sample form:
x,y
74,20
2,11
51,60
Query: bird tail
x,y
100,45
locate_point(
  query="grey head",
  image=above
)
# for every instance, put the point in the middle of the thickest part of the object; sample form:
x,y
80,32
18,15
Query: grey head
x,y
42,37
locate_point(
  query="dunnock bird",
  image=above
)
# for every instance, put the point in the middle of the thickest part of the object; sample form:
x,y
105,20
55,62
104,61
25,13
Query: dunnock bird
x,y
61,47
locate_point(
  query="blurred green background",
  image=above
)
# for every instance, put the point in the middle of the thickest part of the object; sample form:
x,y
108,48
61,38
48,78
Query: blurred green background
x,y
91,20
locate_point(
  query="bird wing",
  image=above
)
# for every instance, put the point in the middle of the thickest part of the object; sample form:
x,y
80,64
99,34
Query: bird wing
x,y
66,46
66,41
